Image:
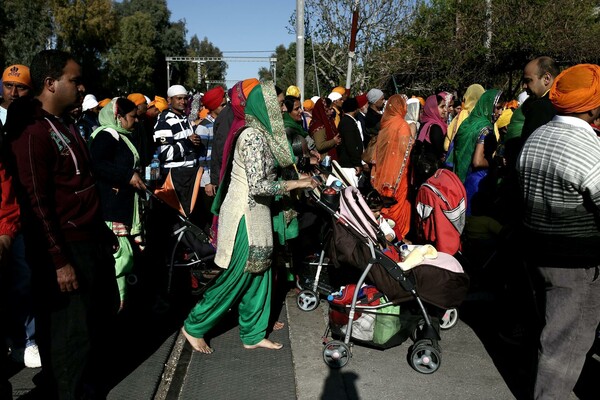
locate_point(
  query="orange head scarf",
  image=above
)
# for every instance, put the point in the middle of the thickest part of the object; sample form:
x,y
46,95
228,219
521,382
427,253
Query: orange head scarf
x,y
390,172
248,85
576,89
392,141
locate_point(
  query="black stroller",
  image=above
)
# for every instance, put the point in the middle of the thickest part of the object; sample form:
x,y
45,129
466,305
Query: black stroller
x,y
425,276
190,249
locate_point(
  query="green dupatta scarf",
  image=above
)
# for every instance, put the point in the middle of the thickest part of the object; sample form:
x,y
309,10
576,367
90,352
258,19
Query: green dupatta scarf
x,y
469,131
263,113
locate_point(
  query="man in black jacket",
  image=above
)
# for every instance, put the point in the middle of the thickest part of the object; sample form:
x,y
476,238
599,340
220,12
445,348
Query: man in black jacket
x,y
538,77
351,148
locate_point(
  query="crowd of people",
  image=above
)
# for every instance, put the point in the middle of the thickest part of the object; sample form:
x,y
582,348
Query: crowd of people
x,y
465,172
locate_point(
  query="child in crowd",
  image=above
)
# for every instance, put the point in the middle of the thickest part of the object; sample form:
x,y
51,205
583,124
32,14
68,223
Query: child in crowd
x,y
375,203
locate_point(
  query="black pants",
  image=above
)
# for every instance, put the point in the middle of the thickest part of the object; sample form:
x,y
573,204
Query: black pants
x,y
73,329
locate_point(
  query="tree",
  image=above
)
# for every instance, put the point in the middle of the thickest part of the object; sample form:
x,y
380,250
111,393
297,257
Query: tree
x,y
86,29
328,24
26,30
212,73
168,39
130,61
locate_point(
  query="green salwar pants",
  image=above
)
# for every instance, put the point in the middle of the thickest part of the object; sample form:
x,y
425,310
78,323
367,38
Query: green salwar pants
x,y
252,293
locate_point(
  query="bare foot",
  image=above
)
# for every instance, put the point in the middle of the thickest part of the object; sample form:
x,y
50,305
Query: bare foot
x,y
278,325
266,344
198,344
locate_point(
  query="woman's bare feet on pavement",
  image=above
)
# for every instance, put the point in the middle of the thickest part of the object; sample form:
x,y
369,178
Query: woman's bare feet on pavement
x,y
198,344
278,325
266,344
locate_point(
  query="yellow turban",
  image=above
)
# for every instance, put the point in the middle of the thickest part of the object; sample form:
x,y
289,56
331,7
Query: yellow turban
x,y
576,89
504,118
293,91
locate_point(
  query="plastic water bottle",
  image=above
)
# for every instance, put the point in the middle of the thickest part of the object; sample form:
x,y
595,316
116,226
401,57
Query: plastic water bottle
x,y
339,293
155,168
337,185
404,252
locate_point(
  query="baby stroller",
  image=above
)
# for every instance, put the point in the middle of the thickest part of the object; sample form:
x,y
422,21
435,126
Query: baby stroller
x,y
424,276
190,246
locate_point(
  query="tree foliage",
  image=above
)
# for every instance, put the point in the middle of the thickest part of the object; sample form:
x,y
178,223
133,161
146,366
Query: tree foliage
x,y
131,59
26,28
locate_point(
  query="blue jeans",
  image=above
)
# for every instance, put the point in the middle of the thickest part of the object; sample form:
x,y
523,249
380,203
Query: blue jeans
x,y
572,315
21,328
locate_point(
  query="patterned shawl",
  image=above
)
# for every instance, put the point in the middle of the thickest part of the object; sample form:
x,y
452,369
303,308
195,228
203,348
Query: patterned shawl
x,y
264,114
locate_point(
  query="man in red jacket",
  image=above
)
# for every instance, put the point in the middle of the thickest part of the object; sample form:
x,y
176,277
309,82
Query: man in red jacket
x,y
67,241
9,225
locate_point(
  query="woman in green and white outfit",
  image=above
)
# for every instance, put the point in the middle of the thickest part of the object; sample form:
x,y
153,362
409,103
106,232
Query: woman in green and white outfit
x,y
245,234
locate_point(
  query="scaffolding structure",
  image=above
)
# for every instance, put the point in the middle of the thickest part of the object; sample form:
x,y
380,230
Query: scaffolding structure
x,y
201,60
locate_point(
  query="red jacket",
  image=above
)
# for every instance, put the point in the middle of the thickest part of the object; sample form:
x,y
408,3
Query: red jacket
x,y
53,169
9,208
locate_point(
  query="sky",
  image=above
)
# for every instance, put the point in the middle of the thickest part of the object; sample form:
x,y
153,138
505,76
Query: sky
x,y
239,28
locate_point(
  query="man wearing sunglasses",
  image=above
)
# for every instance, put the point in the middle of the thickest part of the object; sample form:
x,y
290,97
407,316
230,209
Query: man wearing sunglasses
x,y
16,82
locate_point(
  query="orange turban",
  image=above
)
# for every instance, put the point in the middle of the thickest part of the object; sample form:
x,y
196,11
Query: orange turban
x,y
203,113
339,90
248,85
576,89
308,104
17,73
421,100
104,102
137,98
160,103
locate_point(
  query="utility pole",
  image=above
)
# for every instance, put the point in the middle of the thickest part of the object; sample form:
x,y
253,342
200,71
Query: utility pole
x,y
300,47
352,46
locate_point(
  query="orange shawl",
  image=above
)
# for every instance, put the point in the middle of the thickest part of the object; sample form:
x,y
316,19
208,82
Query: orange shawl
x,y
389,176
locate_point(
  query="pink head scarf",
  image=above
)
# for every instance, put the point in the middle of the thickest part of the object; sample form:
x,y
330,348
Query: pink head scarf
x,y
431,116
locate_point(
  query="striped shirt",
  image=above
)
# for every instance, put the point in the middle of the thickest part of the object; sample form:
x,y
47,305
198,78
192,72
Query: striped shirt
x,y
171,133
205,131
559,172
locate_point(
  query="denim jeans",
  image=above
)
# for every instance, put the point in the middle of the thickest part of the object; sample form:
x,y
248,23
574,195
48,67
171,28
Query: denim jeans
x,y
572,315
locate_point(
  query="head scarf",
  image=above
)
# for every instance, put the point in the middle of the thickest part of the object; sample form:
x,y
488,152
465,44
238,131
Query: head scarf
x,y
390,172
431,116
320,120
413,107
470,98
504,118
263,113
239,93
576,89
469,131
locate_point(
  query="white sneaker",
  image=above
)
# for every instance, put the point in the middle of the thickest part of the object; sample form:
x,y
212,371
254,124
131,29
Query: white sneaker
x,y
31,358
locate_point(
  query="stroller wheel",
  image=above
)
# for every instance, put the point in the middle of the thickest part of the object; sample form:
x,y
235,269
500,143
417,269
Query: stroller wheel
x,y
336,354
424,358
449,319
307,300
